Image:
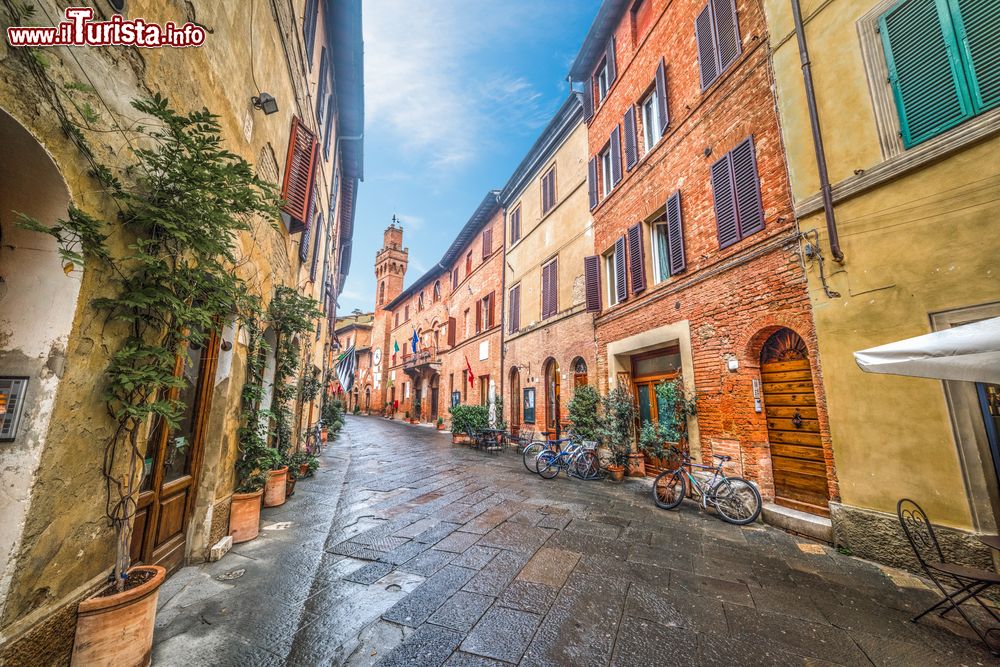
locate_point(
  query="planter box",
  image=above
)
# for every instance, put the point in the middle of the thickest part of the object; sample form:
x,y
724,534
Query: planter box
x,y
460,439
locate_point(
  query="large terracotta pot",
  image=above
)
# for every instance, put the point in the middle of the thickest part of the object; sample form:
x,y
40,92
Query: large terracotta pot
x,y
117,630
617,473
244,516
637,465
274,490
324,434
289,486
303,470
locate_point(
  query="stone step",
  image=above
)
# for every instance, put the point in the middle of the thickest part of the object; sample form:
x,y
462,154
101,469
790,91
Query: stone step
x,y
801,523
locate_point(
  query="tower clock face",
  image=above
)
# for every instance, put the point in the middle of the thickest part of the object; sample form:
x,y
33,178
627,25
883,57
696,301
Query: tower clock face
x,y
377,356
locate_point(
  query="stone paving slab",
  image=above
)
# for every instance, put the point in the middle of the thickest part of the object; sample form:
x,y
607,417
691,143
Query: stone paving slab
x,y
407,550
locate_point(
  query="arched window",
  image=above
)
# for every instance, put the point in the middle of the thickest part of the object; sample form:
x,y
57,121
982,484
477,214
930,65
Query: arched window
x,y
381,293
420,302
437,291
552,396
579,372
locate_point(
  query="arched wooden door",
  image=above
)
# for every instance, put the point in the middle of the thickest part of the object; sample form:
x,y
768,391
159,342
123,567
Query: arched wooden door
x,y
515,401
797,460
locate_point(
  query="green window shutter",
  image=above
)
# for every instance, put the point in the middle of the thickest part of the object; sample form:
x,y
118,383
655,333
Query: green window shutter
x,y
924,69
978,28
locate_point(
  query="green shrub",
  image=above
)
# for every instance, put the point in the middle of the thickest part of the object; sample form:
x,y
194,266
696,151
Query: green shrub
x,y
584,412
466,418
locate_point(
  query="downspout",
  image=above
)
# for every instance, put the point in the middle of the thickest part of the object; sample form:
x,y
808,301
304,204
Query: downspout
x,y
503,301
824,178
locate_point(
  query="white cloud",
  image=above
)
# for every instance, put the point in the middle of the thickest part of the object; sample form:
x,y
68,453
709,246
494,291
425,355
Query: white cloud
x,y
425,88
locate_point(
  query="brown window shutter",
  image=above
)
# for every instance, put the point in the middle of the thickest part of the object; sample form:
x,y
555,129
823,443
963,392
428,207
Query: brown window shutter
x,y
636,258
491,310
675,234
725,202
621,275
545,292
746,188
592,282
454,279
452,326
514,318
487,243
300,165
553,269
479,316
663,107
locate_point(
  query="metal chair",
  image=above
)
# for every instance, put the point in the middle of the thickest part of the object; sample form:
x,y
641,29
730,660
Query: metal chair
x,y
969,582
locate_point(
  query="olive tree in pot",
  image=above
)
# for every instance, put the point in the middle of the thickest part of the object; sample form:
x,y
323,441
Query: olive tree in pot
x,y
180,201
618,430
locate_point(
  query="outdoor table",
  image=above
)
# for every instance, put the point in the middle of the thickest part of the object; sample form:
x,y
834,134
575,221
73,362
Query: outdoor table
x,y
492,437
992,541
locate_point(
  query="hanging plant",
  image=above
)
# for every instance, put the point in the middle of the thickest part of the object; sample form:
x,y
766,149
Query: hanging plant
x,y
182,201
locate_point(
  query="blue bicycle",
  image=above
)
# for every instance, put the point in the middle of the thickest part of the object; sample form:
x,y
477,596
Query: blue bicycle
x,y
576,460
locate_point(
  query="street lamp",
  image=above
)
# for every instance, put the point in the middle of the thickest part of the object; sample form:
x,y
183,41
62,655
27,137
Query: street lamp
x,y
265,102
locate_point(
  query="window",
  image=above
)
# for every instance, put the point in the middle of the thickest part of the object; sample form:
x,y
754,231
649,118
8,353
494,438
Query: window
x,y
614,267
381,293
736,189
487,242
484,389
642,15
468,263
514,313
717,32
592,283
942,59
605,159
309,27
454,279
515,224
484,313
550,289
297,185
396,319
420,302
650,122
322,82
437,290
468,323
602,81
549,190
406,313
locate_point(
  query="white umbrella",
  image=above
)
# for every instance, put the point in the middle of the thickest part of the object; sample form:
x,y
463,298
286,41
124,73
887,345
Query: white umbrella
x,y
969,352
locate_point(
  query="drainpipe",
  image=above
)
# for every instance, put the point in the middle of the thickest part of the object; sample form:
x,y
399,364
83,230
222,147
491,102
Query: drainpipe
x,y
824,178
503,303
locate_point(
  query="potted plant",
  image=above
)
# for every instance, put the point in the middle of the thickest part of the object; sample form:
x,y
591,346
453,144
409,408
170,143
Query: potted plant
x,y
675,407
440,423
466,420
274,488
244,510
416,414
162,290
585,413
617,430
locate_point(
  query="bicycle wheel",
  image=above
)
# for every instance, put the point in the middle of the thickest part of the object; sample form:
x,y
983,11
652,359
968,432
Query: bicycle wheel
x,y
531,452
585,465
737,500
548,464
669,489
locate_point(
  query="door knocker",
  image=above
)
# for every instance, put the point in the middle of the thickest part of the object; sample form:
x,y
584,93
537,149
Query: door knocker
x,y
797,420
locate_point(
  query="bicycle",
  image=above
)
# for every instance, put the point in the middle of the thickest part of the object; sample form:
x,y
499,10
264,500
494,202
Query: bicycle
x,y
313,440
735,499
577,460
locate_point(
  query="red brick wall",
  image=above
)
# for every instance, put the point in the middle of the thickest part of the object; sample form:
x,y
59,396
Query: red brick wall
x,y
733,298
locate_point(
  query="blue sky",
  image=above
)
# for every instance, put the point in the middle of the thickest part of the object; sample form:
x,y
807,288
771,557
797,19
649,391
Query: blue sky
x,y
456,91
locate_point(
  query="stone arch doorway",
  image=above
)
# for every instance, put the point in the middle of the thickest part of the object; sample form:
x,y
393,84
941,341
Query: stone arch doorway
x,y
515,400
552,392
797,460
37,303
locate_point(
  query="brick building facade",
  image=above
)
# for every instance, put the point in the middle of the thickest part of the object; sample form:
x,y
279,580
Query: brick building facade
x,y
355,331
548,335
697,272
455,312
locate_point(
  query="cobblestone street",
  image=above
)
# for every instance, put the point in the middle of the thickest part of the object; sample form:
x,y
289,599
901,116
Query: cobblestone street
x,y
407,550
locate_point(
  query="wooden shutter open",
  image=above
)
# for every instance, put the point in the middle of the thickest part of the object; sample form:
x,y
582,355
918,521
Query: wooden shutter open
x,y
479,315
317,248
675,235
592,182
588,100
727,32
545,292
975,26
631,149
620,274
725,202
592,282
551,287
926,79
487,242
515,225
300,166
705,37
636,258
514,310
452,327
612,65
746,188
661,96
454,279
616,156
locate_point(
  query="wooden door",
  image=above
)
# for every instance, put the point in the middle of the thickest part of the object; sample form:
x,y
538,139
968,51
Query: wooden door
x,y
552,399
797,461
515,402
166,498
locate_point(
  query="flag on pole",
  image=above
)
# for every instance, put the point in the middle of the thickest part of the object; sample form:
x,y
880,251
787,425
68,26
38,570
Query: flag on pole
x,y
346,367
414,341
468,369
395,347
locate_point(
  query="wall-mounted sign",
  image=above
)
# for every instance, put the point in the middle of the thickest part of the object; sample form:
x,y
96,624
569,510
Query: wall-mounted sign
x,y
529,405
12,390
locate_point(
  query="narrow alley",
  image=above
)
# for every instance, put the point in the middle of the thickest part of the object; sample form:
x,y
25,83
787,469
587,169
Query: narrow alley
x,y
404,549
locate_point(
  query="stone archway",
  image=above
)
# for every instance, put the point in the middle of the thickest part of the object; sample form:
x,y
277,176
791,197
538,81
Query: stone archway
x,y
38,301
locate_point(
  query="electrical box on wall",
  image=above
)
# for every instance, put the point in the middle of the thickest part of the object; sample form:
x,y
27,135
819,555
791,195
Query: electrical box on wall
x,y
756,395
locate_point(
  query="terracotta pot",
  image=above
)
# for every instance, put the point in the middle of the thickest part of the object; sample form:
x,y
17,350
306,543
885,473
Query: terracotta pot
x,y
303,469
460,439
637,465
323,435
244,516
117,630
617,473
274,490
289,486
440,427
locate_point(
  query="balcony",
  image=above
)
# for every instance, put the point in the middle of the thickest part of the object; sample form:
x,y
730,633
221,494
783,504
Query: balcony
x,y
424,360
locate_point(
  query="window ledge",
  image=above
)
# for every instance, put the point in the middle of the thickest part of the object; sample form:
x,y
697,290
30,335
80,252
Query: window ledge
x,y
968,133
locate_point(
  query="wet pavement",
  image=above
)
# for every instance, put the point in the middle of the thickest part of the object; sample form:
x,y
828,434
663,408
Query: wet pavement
x,y
407,550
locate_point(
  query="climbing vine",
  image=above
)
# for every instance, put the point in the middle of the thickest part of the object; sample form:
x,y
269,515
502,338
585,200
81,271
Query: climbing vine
x,y
291,315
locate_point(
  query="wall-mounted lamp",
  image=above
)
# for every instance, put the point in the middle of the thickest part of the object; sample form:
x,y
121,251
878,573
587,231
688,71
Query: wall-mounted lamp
x,y
265,102
733,364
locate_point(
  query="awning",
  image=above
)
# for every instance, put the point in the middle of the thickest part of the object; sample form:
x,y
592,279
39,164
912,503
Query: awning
x,y
969,352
